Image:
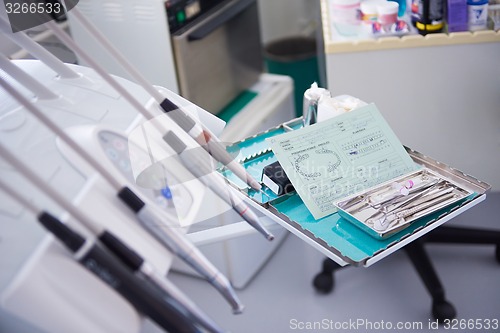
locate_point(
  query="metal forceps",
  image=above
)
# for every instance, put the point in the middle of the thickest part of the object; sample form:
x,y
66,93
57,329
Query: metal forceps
x,y
361,201
384,210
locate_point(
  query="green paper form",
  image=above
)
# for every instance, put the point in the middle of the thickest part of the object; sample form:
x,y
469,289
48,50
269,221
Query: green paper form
x,y
346,154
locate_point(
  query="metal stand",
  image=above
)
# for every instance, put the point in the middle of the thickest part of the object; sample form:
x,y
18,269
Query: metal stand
x,y
441,308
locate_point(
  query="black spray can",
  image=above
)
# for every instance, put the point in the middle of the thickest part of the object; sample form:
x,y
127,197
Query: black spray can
x,y
430,16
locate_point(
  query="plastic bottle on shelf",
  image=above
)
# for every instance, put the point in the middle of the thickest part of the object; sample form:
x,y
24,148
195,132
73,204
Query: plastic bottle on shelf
x,y
430,16
414,15
368,16
345,16
387,13
402,7
478,14
456,15
369,11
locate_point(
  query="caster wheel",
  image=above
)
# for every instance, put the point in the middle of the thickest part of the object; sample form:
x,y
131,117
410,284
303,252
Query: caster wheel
x,y
443,310
323,282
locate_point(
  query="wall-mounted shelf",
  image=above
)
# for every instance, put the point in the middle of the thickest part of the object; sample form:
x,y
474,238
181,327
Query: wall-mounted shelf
x,y
334,45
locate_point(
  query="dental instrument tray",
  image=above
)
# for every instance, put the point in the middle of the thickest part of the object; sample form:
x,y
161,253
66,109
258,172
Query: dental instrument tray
x,y
392,206
370,224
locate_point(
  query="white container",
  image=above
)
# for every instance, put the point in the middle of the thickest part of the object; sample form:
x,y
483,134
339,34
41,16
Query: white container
x,y
369,11
478,14
345,16
369,16
494,13
387,13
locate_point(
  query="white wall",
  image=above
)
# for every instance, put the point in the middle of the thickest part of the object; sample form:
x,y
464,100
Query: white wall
x,y
443,101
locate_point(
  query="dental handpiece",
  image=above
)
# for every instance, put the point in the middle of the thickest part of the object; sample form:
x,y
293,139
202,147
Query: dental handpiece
x,y
124,254
146,214
208,141
177,244
141,294
196,130
200,166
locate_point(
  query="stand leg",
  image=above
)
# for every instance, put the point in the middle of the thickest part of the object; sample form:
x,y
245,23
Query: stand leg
x,y
445,234
324,280
441,308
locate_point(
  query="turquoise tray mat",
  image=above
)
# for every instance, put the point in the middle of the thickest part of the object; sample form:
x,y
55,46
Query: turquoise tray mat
x,y
348,240
254,153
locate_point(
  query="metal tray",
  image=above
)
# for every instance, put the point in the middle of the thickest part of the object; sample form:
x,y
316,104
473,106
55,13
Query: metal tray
x,y
386,209
332,235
